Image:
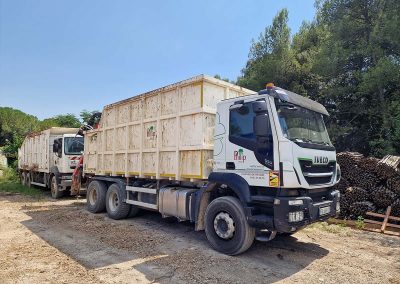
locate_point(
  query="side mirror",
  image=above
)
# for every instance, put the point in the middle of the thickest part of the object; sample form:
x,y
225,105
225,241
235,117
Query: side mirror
x,y
260,107
60,147
55,146
261,125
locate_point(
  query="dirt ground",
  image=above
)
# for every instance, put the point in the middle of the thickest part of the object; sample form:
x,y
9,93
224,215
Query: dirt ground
x,y
46,241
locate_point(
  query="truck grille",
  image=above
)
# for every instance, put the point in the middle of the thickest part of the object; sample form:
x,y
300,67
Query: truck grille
x,y
317,174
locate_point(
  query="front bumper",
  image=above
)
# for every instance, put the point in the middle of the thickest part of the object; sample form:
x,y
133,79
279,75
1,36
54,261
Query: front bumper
x,y
280,222
310,209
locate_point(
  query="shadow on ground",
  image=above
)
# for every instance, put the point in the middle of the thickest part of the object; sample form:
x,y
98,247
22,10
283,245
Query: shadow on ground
x,y
162,250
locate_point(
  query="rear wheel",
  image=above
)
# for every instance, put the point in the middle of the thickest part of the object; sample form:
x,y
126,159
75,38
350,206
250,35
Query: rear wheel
x,y
55,189
28,179
23,178
96,197
116,207
226,226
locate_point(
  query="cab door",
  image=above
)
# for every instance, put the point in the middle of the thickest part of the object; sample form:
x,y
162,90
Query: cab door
x,y
250,145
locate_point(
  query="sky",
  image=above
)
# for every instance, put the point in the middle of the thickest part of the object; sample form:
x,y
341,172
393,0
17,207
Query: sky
x,y
59,57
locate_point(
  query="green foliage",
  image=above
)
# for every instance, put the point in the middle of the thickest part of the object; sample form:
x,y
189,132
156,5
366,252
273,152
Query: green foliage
x,y
347,58
85,115
360,224
15,125
9,183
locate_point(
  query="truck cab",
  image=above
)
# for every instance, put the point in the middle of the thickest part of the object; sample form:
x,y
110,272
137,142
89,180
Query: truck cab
x,y
276,142
67,149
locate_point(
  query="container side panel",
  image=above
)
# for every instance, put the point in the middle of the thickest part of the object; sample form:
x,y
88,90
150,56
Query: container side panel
x,y
168,132
150,135
133,164
169,102
120,163
149,164
134,137
168,164
191,130
191,97
109,117
108,163
109,139
208,129
191,164
213,94
136,111
123,114
152,105
120,138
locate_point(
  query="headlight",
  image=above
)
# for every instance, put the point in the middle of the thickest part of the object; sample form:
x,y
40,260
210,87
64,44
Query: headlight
x,y
296,202
296,216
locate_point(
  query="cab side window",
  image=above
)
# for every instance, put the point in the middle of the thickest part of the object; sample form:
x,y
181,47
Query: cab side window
x,y
241,126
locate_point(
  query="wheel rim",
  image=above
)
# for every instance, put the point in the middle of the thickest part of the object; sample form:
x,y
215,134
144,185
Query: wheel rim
x,y
224,225
113,201
93,196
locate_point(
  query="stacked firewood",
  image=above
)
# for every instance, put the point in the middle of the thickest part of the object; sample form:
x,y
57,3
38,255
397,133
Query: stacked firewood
x,y
367,184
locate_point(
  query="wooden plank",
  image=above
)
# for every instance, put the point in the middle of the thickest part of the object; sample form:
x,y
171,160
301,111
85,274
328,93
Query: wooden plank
x,y
373,222
392,233
385,221
394,218
393,225
373,214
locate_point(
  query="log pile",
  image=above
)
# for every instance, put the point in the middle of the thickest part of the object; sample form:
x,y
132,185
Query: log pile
x,y
368,184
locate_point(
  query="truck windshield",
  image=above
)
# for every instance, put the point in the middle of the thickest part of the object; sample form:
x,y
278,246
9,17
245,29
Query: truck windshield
x,y
302,125
73,145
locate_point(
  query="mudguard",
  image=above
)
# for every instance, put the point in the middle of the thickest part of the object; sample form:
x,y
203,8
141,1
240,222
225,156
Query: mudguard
x,y
238,184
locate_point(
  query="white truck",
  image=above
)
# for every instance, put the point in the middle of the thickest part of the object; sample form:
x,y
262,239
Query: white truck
x,y
48,159
240,165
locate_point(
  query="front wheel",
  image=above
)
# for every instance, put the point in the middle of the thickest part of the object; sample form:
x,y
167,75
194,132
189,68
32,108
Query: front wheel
x,y
226,226
55,189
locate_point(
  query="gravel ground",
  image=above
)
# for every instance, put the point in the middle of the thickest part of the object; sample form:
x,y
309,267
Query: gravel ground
x,y
47,241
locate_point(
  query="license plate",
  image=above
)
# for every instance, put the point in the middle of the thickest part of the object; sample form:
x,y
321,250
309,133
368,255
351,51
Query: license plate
x,y
324,210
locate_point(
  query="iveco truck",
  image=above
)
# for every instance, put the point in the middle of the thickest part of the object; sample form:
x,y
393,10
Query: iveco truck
x,y
48,159
239,164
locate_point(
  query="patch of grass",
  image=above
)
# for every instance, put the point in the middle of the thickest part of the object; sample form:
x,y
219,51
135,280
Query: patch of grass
x,y
16,187
9,182
360,223
330,228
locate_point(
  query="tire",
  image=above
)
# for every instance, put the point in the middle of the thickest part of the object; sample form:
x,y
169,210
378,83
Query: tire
x,y
56,193
28,179
96,197
226,226
116,207
23,178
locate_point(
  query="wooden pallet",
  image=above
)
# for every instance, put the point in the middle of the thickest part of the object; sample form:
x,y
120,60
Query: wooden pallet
x,y
385,226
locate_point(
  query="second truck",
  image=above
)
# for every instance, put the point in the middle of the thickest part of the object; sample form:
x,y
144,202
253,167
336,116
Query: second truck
x,y
240,165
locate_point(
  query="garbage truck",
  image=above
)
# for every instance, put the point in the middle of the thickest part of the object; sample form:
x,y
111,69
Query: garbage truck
x,y
48,159
239,164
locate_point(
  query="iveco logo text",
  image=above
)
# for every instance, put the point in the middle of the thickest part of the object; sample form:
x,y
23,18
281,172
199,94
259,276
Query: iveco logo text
x,y
320,160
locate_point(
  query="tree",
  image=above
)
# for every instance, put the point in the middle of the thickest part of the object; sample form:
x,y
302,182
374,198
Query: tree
x,y
85,115
348,59
270,57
